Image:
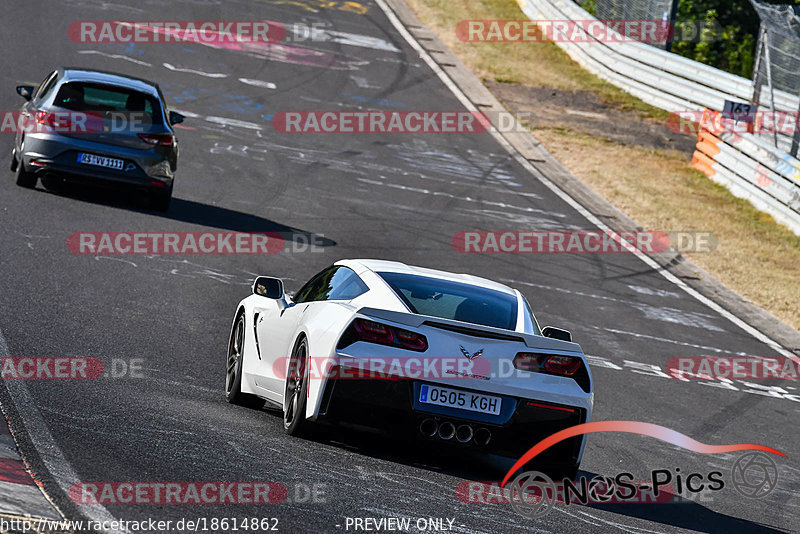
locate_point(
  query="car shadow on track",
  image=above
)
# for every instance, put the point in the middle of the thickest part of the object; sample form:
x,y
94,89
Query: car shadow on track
x,y
458,463
188,211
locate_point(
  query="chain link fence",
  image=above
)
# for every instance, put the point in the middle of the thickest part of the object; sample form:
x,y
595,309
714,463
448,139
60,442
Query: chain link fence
x,y
776,76
776,67
660,10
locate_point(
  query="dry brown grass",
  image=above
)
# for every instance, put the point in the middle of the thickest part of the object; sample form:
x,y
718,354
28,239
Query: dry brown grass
x,y
530,63
755,257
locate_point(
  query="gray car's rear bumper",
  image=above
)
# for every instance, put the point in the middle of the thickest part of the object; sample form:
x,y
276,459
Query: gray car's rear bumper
x,y
58,154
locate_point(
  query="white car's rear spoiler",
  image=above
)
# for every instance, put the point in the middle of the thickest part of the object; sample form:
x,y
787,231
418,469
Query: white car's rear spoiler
x,y
415,321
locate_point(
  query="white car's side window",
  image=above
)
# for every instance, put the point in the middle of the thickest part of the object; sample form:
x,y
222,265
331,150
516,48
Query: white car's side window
x,y
530,324
334,283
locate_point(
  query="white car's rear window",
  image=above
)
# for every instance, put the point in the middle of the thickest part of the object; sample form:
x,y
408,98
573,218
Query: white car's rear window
x,y
454,300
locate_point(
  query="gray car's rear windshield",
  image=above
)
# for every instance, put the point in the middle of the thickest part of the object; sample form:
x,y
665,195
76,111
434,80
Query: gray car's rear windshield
x,y
109,99
454,300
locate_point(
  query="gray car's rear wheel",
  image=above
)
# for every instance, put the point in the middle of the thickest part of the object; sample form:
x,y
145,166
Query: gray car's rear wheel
x,y
24,178
160,200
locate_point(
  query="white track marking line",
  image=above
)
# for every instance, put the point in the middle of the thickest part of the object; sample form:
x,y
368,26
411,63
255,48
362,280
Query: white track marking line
x,y
571,201
674,341
258,83
463,199
116,56
193,71
52,457
351,39
233,122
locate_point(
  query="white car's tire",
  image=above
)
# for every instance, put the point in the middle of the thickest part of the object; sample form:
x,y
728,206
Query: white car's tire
x,y
233,375
296,392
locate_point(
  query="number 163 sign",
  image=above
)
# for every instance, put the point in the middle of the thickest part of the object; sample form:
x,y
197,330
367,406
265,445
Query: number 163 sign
x,y
739,111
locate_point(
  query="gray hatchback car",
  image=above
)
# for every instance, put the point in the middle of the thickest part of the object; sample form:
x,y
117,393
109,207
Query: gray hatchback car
x,y
100,128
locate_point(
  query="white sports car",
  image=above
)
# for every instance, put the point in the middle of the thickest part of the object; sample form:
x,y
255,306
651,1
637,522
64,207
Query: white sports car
x,y
446,357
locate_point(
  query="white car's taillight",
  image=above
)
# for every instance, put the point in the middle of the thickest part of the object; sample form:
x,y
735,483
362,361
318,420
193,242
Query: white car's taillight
x,y
383,334
554,364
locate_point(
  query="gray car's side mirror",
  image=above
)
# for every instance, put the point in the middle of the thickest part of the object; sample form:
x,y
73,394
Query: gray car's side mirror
x,y
25,91
176,118
267,286
556,333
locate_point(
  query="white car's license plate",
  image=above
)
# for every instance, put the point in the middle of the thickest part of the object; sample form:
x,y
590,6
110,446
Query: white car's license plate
x,y
454,398
100,161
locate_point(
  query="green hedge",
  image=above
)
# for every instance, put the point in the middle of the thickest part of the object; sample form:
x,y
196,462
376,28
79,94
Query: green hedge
x,y
720,33
728,35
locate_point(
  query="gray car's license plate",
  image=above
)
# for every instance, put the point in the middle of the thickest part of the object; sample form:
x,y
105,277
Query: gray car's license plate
x,y
101,161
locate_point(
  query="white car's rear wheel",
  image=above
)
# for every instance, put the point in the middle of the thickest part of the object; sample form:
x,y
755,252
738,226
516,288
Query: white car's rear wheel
x,y
294,415
233,376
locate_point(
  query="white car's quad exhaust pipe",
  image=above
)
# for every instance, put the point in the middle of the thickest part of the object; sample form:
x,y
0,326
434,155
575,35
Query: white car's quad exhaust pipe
x,y
447,430
483,436
428,428
464,433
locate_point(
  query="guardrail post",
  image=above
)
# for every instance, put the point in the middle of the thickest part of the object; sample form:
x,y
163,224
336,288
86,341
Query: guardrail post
x,y
795,133
757,69
673,13
771,88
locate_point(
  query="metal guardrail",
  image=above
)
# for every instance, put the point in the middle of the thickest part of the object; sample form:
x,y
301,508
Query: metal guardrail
x,y
749,167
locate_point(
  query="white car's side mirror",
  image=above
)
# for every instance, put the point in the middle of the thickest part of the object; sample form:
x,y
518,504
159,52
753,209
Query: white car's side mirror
x,y
269,287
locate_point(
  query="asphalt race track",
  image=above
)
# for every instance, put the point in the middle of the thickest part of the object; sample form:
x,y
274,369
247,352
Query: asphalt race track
x,y
399,197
